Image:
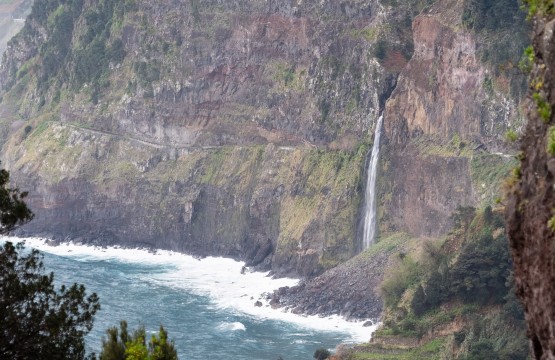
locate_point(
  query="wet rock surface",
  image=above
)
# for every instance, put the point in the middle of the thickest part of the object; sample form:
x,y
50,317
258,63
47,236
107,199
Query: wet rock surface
x,y
350,290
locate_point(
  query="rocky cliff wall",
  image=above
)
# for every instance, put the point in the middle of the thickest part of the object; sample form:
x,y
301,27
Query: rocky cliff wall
x,y
236,128
531,200
240,128
449,111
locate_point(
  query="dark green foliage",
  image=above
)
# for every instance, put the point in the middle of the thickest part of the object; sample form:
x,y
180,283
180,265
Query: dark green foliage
x,y
13,210
407,274
56,18
381,49
114,346
39,322
435,289
459,337
512,309
480,274
69,58
160,348
120,345
87,61
95,52
321,354
488,214
418,303
482,269
42,9
539,7
147,71
491,14
482,350
462,217
325,108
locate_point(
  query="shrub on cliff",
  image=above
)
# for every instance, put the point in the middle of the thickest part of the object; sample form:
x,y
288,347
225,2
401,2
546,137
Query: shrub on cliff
x,y
482,350
482,271
321,354
407,274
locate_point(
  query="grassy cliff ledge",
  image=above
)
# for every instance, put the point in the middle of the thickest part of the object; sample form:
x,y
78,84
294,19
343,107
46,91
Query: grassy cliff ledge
x,y
291,209
215,128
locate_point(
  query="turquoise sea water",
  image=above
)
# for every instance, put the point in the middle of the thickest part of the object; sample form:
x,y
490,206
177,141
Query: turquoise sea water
x,y
207,306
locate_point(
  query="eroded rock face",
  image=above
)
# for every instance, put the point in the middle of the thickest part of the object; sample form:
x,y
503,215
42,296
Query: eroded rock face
x,y
281,208
532,202
441,91
440,113
240,128
212,74
233,128
424,193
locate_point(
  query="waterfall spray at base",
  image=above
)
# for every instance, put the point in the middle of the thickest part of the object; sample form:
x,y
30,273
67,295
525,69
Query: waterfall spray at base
x,y
369,233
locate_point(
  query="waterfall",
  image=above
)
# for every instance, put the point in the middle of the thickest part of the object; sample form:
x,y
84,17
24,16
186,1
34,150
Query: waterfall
x,y
370,196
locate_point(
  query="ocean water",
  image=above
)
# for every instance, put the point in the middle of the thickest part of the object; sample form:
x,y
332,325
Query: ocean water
x,y
206,305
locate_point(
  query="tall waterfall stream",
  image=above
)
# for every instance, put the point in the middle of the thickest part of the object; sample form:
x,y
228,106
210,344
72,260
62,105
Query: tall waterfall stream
x,y
369,233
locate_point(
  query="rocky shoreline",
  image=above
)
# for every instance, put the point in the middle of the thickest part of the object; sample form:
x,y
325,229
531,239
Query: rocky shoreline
x,y
350,290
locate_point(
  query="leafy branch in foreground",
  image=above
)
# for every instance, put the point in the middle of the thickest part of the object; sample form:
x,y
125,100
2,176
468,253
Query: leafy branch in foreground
x,y
121,345
13,210
39,322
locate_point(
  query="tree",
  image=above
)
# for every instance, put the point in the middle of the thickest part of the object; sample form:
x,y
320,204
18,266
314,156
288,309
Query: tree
x,y
481,271
39,322
13,210
436,287
418,303
482,350
120,345
321,354
462,217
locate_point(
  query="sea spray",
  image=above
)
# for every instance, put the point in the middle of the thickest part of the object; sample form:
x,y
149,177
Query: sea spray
x,y
369,233
220,279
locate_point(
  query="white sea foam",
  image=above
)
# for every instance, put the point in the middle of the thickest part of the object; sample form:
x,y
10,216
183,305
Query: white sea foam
x,y
220,279
234,326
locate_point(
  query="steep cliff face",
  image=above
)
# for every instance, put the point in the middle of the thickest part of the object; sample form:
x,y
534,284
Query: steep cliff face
x,y
241,128
531,202
250,72
446,119
235,129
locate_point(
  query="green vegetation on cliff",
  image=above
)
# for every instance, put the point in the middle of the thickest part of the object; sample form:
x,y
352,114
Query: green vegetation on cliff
x,y
452,299
503,35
